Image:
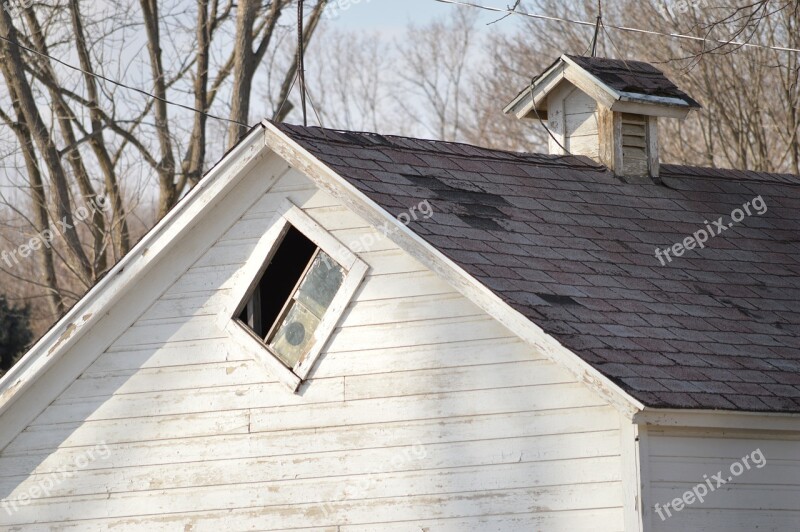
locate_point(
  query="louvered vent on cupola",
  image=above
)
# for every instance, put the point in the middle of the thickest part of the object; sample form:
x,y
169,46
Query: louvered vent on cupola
x,y
605,109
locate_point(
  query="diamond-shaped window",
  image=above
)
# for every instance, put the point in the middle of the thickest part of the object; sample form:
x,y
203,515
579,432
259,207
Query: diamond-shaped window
x,y
304,281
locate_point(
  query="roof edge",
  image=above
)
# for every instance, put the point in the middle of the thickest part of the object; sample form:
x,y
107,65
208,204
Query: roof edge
x,y
92,306
333,183
718,419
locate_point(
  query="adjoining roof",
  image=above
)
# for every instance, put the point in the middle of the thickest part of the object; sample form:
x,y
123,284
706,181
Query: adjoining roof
x,y
636,77
573,249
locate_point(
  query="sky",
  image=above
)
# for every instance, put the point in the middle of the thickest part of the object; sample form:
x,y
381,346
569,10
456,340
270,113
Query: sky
x,y
392,16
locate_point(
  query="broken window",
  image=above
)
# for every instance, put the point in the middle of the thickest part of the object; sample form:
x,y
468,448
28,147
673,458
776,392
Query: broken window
x,y
301,279
292,296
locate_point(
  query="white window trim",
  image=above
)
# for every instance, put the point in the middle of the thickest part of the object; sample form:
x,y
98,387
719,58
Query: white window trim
x,y
248,277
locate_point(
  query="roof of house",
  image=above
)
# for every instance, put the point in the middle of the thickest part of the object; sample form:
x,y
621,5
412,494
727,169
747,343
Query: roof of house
x,y
572,248
632,76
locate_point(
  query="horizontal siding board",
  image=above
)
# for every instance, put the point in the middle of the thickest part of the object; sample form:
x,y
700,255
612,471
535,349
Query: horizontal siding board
x,y
691,470
598,448
319,513
572,520
493,376
204,304
582,422
553,480
174,378
173,354
581,124
728,520
733,496
409,309
337,217
503,401
453,355
415,333
393,286
181,402
140,429
363,239
391,261
168,331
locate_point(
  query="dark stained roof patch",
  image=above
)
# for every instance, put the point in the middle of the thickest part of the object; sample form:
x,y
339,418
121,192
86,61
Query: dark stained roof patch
x,y
718,328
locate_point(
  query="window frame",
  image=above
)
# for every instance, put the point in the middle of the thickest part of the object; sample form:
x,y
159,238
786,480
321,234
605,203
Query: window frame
x,y
249,277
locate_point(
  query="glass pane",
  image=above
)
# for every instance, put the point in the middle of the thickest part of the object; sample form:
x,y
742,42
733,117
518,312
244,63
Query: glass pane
x,y
320,284
295,335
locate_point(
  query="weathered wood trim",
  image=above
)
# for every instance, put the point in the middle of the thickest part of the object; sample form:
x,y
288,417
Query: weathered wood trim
x,y
718,419
639,108
124,276
589,84
653,152
607,140
631,475
645,502
523,104
317,234
650,99
556,118
329,181
355,276
253,345
247,277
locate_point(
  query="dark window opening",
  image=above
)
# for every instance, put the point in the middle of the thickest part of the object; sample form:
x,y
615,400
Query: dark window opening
x,y
292,296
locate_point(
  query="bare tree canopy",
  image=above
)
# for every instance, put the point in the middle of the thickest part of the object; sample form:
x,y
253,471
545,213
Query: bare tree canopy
x,y
88,120
94,155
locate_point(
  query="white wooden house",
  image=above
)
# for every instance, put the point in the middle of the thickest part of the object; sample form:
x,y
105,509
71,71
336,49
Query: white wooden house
x,y
348,332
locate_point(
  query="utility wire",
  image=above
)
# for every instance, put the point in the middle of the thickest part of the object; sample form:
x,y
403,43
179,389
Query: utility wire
x,y
623,28
119,84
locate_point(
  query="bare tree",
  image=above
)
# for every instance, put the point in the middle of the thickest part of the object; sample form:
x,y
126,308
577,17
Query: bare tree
x,y
352,79
436,61
750,94
94,133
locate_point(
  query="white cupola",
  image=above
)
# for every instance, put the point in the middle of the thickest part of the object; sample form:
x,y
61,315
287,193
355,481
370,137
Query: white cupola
x,y
604,109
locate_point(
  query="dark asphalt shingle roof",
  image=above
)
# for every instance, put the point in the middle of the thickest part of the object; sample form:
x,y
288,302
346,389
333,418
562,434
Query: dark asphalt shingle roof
x,y
632,76
573,249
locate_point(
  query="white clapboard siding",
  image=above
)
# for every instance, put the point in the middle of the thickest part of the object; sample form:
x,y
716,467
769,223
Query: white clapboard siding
x,y
335,463
423,413
760,498
561,499
175,354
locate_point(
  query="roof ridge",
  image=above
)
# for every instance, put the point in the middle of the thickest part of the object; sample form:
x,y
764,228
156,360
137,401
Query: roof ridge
x,y
731,174
481,152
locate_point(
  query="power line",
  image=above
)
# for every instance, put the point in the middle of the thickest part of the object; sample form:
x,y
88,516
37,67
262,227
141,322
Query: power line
x,y
622,28
119,84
